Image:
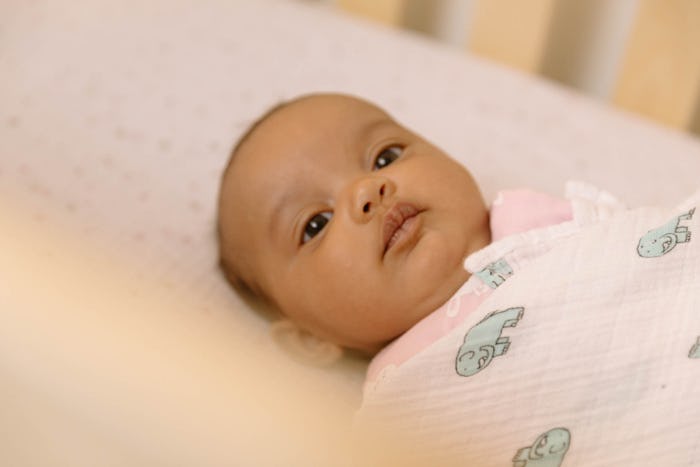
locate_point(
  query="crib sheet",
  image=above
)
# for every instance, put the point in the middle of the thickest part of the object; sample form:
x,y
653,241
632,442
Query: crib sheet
x,y
116,120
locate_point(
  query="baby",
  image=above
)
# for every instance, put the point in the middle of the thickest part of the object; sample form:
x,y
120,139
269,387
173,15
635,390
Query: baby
x,y
349,224
540,332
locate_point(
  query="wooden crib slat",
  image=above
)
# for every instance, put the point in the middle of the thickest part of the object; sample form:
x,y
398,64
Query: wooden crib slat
x,y
390,12
512,31
660,72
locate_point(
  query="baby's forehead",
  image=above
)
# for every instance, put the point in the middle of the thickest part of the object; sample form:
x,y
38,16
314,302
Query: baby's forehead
x,y
309,125
295,135
306,116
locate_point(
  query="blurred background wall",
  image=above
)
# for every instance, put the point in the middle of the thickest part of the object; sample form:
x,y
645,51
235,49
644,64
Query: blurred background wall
x,y
640,55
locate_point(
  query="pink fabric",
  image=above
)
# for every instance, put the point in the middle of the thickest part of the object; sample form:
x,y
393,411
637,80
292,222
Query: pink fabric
x,y
511,213
518,211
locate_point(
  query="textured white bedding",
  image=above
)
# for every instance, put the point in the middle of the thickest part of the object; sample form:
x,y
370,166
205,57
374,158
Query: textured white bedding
x,y
116,120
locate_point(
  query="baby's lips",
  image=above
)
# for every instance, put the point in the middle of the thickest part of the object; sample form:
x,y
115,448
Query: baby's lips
x,y
394,219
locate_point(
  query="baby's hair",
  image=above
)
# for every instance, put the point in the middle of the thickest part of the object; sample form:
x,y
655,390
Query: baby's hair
x,y
251,295
251,129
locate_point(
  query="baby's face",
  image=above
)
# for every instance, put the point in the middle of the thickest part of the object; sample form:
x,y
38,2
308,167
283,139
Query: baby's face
x,y
355,227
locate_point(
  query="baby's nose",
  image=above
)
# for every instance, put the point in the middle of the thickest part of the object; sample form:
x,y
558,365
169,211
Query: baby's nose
x,y
369,193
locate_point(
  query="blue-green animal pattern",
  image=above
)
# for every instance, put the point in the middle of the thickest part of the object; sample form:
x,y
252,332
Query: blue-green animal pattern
x,y
496,273
695,349
660,241
548,450
483,341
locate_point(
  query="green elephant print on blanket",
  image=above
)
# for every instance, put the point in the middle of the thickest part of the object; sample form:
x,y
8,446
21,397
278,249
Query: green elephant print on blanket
x,y
660,241
496,273
483,342
695,350
548,450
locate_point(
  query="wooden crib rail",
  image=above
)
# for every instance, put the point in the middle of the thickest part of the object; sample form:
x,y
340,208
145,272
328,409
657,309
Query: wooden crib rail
x,y
640,55
660,73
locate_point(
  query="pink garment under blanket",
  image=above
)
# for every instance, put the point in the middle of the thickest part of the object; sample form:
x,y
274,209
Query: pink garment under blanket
x,y
512,212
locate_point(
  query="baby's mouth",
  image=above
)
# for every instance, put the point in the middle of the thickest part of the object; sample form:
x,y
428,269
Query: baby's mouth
x,y
399,224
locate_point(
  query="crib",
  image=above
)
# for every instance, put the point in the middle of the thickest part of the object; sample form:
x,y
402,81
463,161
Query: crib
x,y
120,341
627,53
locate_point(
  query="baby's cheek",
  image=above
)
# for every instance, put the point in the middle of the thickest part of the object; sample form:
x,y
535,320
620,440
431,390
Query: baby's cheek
x,y
337,277
434,263
436,254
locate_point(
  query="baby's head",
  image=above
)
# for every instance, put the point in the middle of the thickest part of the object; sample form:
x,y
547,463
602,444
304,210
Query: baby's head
x,y
352,226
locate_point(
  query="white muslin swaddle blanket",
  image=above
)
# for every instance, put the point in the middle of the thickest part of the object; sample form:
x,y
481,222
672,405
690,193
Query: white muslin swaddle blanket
x,y
586,353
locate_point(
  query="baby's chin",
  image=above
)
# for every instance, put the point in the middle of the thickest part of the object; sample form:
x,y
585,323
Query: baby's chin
x,y
435,271
423,295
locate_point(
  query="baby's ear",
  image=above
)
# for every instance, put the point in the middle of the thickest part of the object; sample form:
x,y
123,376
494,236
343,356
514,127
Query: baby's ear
x,y
304,346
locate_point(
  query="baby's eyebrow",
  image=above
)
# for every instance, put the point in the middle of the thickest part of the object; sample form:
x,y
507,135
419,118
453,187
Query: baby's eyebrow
x,y
375,125
278,211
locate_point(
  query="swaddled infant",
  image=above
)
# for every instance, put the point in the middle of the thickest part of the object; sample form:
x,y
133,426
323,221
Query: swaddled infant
x,y
541,332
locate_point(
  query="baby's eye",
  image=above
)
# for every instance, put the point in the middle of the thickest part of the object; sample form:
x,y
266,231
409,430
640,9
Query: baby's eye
x,y
315,225
386,156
